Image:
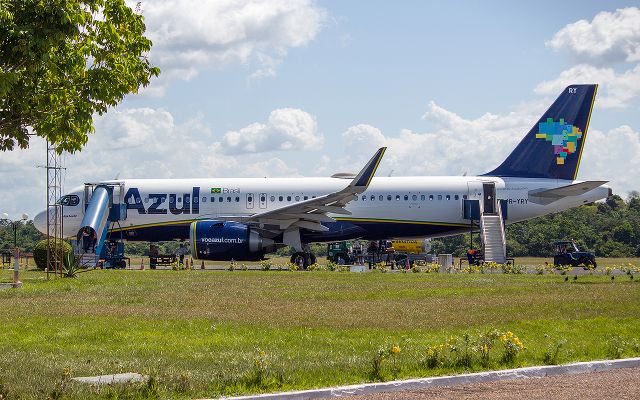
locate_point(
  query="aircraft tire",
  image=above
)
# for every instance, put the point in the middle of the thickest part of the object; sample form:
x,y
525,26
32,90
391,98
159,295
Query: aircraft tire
x,y
299,259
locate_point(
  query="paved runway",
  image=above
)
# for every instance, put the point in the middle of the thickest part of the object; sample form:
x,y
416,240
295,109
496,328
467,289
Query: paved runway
x,y
616,384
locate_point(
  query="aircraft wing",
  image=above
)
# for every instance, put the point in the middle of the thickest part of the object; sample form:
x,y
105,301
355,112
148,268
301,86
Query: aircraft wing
x,y
309,214
542,196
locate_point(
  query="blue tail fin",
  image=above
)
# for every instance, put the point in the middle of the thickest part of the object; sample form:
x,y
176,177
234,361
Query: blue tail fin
x,y
553,147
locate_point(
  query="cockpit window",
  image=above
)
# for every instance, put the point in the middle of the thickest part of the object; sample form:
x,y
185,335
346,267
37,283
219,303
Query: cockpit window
x,y
69,200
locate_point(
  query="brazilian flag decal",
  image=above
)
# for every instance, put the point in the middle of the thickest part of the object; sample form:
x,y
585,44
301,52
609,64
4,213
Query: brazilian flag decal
x,y
216,190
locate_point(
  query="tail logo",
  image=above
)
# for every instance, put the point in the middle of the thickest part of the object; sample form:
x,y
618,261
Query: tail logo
x,y
564,137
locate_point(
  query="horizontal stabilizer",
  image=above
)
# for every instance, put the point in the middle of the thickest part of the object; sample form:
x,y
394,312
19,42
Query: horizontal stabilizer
x,y
547,196
344,175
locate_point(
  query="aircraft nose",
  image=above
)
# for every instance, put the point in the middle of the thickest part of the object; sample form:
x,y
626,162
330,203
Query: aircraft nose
x,y
40,222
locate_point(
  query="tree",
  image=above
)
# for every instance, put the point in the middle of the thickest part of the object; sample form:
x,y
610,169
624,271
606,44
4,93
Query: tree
x,y
61,62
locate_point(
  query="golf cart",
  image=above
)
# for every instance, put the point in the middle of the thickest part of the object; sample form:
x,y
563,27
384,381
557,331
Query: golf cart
x,y
567,253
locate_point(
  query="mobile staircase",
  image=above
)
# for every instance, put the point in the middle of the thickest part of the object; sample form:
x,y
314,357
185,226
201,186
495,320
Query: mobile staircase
x,y
490,223
100,211
493,238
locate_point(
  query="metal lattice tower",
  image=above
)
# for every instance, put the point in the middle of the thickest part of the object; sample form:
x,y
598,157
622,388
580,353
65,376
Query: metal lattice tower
x,y
54,211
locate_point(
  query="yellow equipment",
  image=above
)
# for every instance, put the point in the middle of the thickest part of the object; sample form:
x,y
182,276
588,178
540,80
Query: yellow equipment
x,y
412,246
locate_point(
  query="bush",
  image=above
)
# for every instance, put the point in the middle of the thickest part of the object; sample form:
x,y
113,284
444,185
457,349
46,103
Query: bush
x,y
40,252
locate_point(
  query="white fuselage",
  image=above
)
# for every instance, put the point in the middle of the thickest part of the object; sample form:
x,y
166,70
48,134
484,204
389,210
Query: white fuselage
x,y
391,202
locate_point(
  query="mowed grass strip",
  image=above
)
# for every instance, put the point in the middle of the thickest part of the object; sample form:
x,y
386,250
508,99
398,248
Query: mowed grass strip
x,y
205,333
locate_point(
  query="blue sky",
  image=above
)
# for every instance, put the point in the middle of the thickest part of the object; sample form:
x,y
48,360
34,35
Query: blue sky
x,y
381,62
291,88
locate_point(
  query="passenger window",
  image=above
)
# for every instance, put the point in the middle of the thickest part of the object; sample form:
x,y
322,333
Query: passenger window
x,y
389,197
179,199
272,198
364,197
356,198
288,198
397,197
406,197
280,198
422,197
448,197
464,196
196,199
373,197
306,197
263,199
297,198
381,197
456,197
430,197
229,199
414,197
204,199
237,199
213,199
439,197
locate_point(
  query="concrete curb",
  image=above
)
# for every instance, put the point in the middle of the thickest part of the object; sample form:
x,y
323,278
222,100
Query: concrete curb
x,y
423,383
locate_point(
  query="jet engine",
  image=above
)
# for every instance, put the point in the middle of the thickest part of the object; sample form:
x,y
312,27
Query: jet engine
x,y
223,240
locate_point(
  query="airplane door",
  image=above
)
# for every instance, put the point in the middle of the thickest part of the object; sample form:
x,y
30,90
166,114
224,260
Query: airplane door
x,y
263,200
489,197
249,200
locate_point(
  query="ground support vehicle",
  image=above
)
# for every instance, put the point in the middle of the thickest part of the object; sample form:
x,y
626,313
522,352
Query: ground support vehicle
x,y
567,253
112,255
341,252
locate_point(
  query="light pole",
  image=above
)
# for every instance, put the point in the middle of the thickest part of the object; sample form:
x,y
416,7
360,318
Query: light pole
x,y
16,251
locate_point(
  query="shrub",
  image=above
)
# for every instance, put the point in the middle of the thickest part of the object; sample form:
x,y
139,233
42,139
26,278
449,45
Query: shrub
x,y
265,265
331,266
553,351
71,266
40,252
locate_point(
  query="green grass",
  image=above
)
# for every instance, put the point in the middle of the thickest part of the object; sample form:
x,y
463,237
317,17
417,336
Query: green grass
x,y
200,333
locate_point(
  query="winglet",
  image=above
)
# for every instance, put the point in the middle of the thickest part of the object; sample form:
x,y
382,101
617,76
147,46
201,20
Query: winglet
x,y
362,180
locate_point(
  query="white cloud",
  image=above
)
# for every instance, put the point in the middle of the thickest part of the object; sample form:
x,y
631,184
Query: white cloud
x,y
459,145
148,143
286,129
190,36
361,141
478,145
615,91
23,184
612,155
610,37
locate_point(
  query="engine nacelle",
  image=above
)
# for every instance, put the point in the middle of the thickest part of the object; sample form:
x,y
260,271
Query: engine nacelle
x,y
222,240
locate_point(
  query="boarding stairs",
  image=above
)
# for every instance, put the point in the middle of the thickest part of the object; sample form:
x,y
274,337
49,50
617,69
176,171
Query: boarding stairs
x,y
88,260
103,206
493,237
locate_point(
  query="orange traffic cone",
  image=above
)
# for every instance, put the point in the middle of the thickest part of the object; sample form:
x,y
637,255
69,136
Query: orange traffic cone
x,y
142,264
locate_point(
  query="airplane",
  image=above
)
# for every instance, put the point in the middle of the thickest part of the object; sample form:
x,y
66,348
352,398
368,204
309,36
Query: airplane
x,y
246,218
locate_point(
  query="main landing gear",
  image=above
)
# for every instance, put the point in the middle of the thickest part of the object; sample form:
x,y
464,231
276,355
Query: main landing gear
x,y
303,259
